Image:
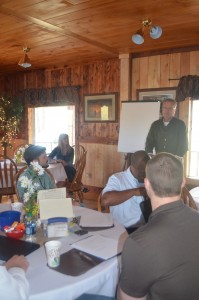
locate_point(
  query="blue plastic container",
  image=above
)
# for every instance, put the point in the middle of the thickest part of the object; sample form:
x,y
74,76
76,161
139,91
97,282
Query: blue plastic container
x,y
8,217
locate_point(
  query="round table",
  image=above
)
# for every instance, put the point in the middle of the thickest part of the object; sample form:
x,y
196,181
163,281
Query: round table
x,y
195,194
102,279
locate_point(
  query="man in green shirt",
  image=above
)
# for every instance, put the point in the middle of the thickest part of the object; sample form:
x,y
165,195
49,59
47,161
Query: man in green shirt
x,y
35,155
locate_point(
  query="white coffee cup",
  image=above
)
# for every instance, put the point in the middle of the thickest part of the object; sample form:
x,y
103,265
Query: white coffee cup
x,y
17,206
53,253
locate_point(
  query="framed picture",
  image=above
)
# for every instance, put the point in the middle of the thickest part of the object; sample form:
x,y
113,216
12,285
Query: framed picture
x,y
100,108
156,94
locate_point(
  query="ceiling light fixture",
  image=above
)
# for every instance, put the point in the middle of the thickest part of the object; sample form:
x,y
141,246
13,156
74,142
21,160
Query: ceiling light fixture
x,y
155,32
25,60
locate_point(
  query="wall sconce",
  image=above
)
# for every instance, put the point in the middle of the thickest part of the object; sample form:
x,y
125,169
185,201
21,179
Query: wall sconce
x,y
155,32
25,60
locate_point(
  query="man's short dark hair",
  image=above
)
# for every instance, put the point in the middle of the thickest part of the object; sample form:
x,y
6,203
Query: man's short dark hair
x,y
138,157
165,174
33,152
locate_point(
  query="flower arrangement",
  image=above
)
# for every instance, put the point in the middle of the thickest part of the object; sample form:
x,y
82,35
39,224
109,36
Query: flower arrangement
x,y
31,190
19,154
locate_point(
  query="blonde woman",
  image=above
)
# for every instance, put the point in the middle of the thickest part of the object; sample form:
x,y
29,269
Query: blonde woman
x,y
64,153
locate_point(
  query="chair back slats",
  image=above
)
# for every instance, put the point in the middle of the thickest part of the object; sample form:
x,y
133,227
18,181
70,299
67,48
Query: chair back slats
x,y
80,161
100,207
7,174
8,170
187,198
1,175
80,165
79,152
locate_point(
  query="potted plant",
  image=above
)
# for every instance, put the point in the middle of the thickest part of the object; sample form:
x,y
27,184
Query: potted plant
x,y
10,117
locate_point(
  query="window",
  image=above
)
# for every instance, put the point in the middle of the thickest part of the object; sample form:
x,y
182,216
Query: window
x,y
193,159
47,123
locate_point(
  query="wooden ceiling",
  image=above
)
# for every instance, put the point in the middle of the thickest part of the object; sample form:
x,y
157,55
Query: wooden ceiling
x,y
60,32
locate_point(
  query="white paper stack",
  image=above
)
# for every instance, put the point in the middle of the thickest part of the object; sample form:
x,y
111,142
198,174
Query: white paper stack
x,y
96,220
99,246
53,203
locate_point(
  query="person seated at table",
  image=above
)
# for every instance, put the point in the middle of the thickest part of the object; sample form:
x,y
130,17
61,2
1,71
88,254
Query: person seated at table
x,y
35,154
160,260
64,153
13,282
124,191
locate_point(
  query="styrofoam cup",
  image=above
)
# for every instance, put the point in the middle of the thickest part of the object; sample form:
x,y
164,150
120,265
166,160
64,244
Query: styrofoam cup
x,y
18,206
53,253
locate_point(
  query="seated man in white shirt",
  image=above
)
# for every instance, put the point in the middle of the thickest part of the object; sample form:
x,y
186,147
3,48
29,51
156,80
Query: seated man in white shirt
x,y
13,282
124,192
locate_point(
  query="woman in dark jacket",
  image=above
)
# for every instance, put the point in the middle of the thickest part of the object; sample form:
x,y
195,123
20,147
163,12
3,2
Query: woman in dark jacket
x,y
64,153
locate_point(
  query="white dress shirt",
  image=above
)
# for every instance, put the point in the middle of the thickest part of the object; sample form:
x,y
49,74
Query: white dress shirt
x,y
127,213
13,284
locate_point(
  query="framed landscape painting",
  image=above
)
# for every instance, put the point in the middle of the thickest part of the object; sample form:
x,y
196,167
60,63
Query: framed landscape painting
x,y
156,94
100,108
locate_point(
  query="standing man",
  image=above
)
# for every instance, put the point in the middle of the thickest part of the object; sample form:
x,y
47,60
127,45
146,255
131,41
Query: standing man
x,y
160,260
167,134
124,192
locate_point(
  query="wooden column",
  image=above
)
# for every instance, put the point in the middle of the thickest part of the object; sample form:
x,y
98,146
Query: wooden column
x,y
125,76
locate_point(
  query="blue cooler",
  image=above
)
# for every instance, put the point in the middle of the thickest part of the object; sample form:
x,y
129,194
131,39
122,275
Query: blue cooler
x,y
8,217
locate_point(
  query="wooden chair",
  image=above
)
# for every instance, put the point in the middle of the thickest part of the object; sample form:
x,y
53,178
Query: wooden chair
x,y
187,198
75,187
146,208
100,207
79,152
8,169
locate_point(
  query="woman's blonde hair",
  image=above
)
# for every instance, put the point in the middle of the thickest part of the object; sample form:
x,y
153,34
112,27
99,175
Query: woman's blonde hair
x,y
62,137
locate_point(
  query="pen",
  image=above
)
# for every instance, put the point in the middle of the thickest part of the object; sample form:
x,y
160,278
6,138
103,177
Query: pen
x,y
86,257
80,240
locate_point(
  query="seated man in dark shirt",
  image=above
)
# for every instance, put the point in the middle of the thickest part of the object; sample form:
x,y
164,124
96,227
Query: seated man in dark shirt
x,y
167,134
160,260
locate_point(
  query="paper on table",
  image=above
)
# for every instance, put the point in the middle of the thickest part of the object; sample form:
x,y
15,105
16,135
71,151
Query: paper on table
x,y
52,208
52,193
99,246
96,220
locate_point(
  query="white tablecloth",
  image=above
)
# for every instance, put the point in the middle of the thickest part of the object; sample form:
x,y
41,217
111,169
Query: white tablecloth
x,y
58,172
48,284
195,194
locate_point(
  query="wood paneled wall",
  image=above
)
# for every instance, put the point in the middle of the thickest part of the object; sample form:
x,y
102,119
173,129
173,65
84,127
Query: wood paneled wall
x,y
155,71
100,139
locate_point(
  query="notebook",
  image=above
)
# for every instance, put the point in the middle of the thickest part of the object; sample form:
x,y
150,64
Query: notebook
x,y
96,221
10,247
99,246
75,262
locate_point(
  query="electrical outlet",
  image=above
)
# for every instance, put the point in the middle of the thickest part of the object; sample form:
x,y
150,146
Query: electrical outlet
x,y
88,175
